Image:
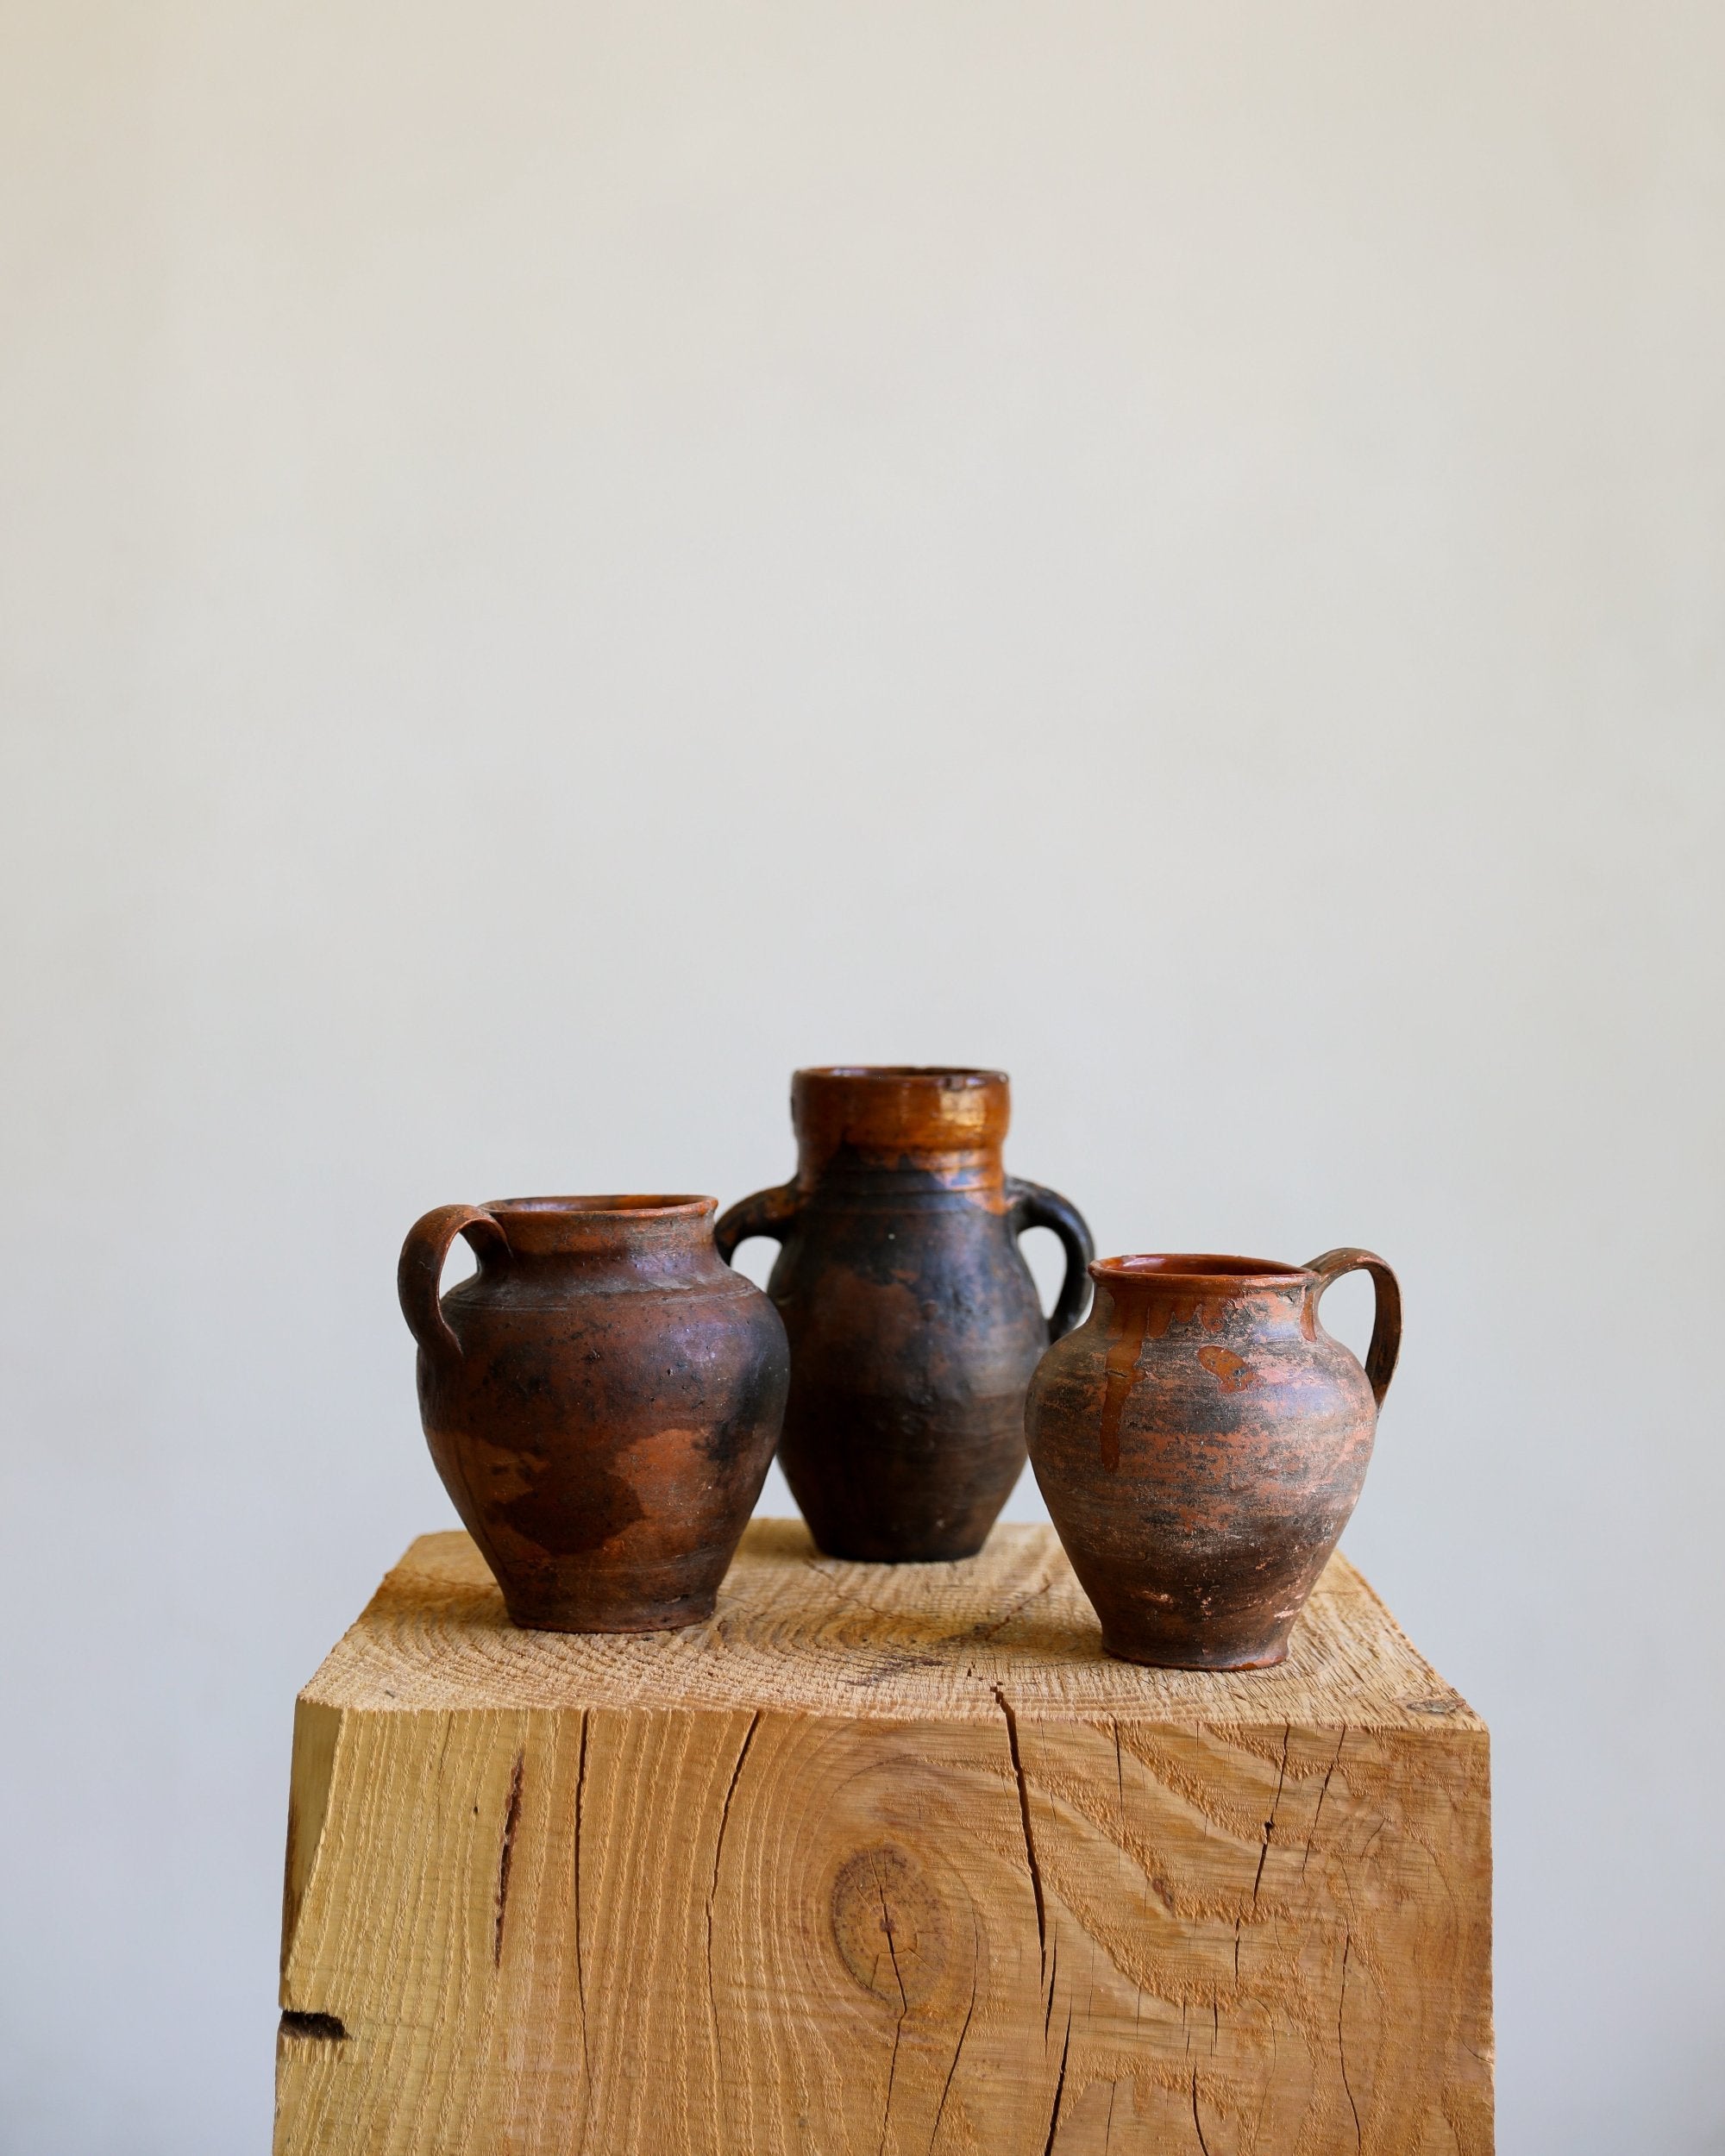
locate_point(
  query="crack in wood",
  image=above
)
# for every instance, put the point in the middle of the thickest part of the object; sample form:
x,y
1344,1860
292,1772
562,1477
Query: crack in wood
x,y
987,1632
1197,2123
1011,1719
512,1815
940,2108
904,2005
1270,1824
717,1850
580,1969
1059,2091
1341,2040
1318,1808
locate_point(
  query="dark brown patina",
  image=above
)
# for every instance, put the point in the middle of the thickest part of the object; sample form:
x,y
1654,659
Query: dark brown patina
x,y
914,1320
601,1398
1201,1443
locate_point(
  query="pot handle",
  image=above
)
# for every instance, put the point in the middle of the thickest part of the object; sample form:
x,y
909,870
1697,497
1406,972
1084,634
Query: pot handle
x,y
1033,1206
768,1212
1386,1324
420,1272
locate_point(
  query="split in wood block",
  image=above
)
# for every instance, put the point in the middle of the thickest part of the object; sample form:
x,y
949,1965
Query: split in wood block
x,y
883,1859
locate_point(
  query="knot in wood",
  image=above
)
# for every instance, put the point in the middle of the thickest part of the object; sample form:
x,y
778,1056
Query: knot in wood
x,y
889,1925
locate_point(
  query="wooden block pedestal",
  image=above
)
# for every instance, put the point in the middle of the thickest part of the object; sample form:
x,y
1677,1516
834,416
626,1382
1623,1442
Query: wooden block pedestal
x,y
884,1859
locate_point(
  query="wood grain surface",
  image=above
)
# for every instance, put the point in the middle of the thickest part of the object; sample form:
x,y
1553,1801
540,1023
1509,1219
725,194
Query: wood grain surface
x,y
881,1860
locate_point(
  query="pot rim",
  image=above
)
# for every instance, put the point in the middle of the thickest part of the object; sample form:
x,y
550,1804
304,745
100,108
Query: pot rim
x,y
1198,1272
948,1077
611,1204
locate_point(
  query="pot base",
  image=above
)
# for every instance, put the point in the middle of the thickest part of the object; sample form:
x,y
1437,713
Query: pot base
x,y
957,1553
675,1616
1171,1657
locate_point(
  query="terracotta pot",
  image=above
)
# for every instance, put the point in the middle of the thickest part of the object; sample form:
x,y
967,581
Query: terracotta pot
x,y
1201,1443
602,1399
913,1320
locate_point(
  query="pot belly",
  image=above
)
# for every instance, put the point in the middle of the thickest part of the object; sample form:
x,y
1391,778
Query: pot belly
x,y
606,1462
1200,1521
904,1430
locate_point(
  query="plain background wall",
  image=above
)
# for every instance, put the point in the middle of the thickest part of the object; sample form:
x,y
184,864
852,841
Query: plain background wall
x,y
557,562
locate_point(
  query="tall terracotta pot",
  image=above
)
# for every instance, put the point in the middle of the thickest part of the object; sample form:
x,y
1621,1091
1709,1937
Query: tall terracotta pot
x,y
914,1320
601,1398
1201,1443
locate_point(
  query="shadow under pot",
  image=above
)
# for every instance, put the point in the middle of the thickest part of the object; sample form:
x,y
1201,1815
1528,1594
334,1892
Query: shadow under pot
x,y
914,1322
601,1398
1201,1443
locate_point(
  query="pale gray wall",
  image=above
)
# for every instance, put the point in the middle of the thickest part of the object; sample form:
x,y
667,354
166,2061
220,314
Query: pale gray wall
x,y
556,560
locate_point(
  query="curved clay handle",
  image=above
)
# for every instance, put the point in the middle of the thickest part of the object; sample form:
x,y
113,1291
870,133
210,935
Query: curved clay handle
x,y
1386,1325
420,1272
768,1213
1034,1206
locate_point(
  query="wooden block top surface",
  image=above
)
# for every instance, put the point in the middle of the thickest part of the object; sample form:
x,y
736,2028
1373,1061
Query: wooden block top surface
x,y
800,1633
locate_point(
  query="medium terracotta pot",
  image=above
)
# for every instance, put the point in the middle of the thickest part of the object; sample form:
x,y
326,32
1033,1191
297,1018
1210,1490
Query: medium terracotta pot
x,y
602,1399
1201,1443
914,1320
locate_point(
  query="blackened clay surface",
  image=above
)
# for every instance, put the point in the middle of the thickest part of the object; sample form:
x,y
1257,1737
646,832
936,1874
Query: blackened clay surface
x,y
914,1320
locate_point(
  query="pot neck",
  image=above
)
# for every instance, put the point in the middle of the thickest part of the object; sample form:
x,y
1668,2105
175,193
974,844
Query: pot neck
x,y
1151,1295
645,1234
889,1116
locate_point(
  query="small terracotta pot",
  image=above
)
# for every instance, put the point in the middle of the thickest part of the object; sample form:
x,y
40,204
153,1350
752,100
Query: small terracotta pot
x,y
602,1399
1201,1443
913,1320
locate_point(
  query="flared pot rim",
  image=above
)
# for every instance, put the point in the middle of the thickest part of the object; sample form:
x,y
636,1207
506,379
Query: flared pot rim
x,y
1197,1272
946,1077
607,1204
